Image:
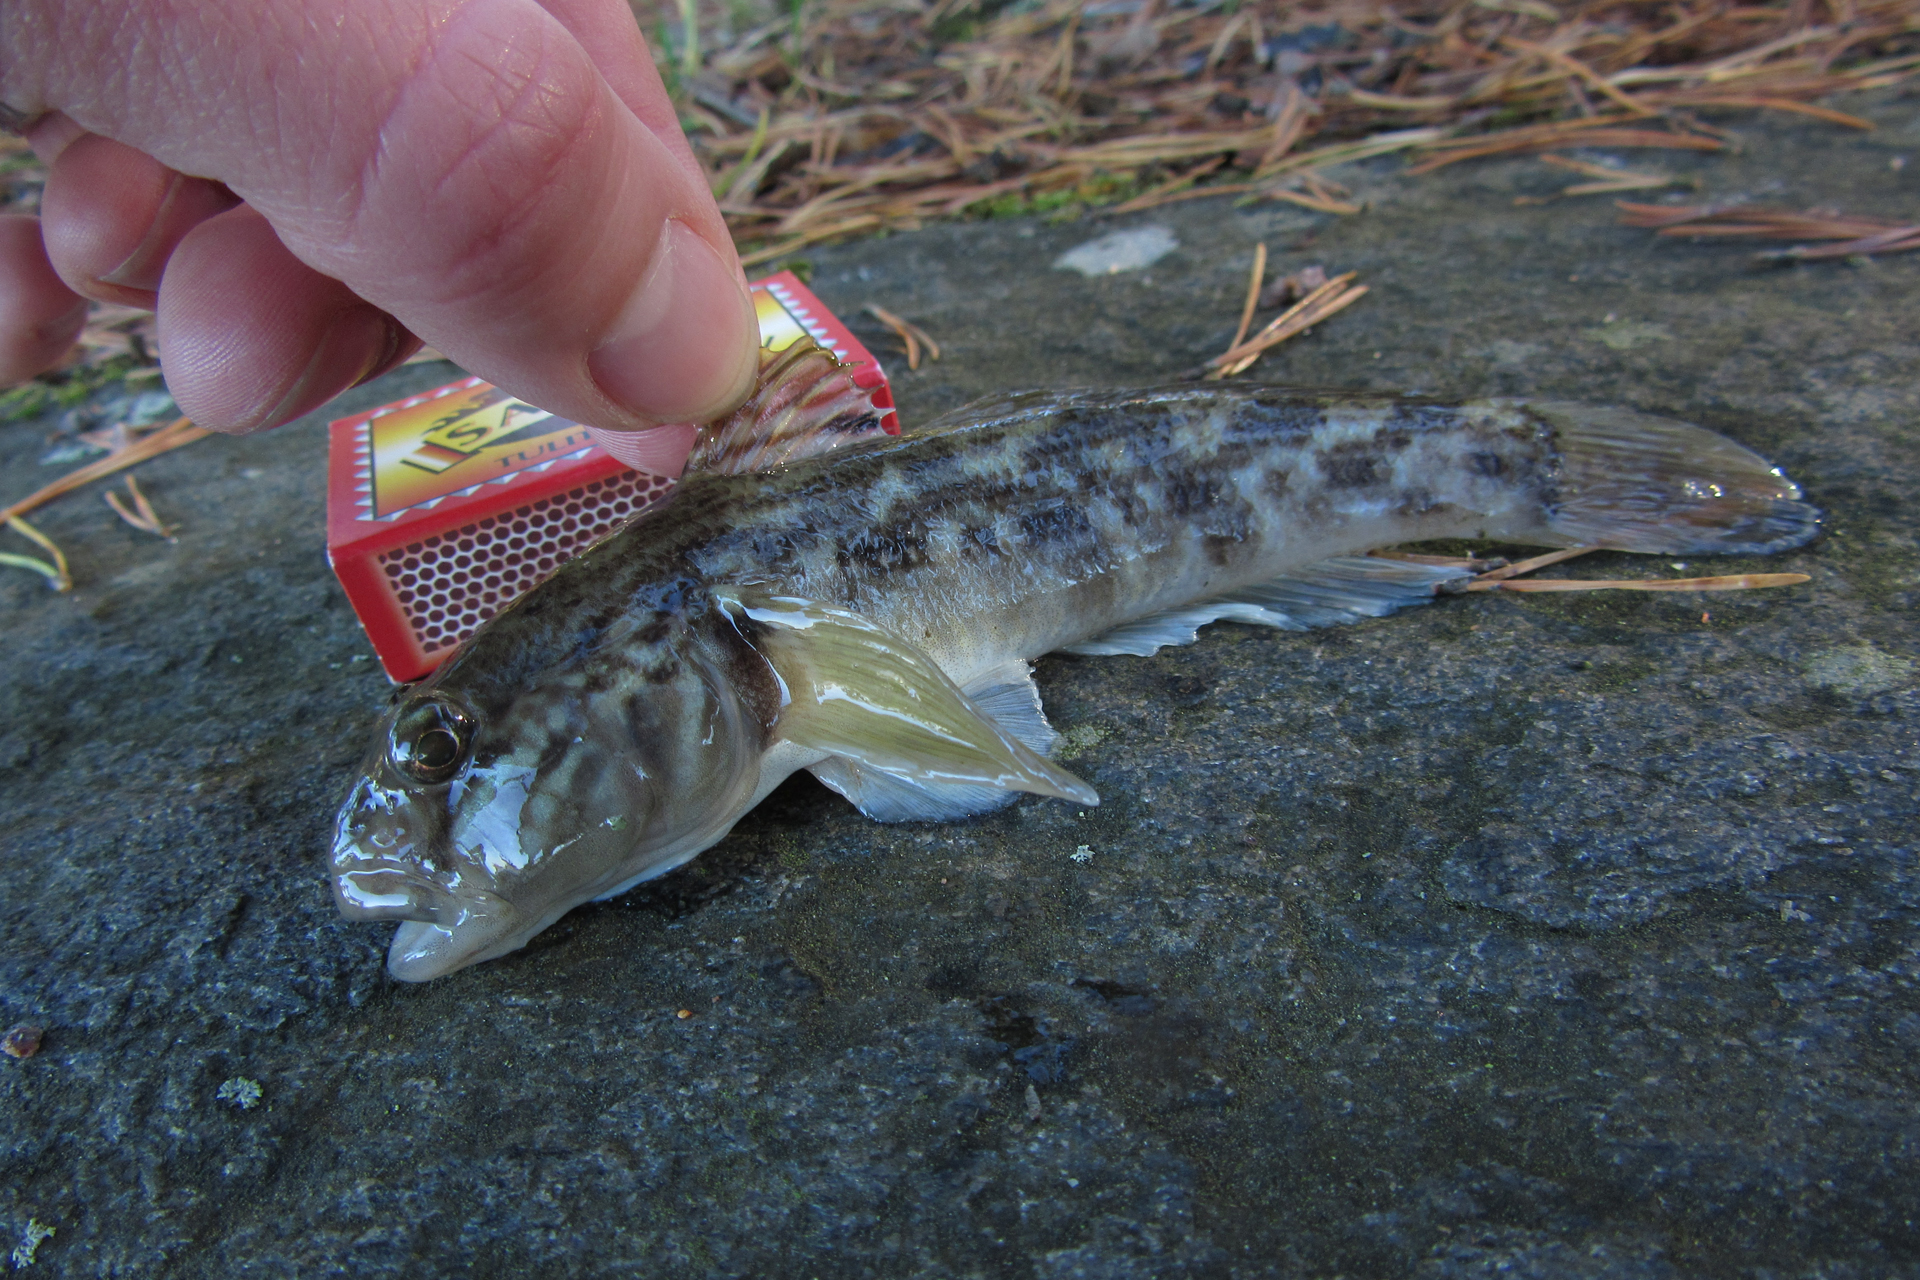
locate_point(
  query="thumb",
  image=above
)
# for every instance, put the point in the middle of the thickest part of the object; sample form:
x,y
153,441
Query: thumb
x,y
465,167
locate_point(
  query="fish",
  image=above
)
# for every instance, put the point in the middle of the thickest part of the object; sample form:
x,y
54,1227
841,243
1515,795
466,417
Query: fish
x,y
868,608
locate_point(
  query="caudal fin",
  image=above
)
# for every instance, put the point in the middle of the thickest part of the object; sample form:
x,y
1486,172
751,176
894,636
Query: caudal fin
x,y
1634,482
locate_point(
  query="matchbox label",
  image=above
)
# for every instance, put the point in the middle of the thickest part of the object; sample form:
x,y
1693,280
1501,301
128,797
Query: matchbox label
x,y
445,506
442,446
779,328
432,448
788,313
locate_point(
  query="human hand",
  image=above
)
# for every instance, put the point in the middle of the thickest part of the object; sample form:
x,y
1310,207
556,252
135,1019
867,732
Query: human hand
x,y
299,187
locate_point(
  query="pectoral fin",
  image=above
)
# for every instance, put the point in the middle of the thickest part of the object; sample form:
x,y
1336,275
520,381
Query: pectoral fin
x,y
1007,696
885,798
913,745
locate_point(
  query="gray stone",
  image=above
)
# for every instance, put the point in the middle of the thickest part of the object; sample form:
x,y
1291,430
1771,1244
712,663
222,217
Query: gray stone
x,y
1550,936
1133,249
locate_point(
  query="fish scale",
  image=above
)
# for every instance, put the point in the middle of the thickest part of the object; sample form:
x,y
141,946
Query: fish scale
x,y
869,615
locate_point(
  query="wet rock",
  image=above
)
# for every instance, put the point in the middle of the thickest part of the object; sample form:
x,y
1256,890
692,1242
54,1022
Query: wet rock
x,y
1544,936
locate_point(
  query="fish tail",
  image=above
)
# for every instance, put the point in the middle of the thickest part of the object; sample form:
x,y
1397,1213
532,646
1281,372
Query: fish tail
x,y
1633,482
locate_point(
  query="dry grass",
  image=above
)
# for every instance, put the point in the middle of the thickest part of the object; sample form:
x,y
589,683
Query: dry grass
x,y
854,116
819,119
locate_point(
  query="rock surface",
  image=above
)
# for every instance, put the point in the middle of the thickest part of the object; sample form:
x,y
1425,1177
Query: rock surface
x,y
1543,936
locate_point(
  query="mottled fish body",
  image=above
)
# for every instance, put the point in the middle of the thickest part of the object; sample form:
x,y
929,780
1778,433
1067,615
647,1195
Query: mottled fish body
x,y
869,614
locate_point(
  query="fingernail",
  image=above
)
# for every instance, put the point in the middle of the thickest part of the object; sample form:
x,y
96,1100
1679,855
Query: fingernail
x,y
685,348
401,345
360,342
52,133
187,203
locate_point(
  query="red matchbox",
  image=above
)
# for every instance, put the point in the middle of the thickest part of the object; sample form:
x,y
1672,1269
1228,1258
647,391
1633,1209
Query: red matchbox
x,y
444,507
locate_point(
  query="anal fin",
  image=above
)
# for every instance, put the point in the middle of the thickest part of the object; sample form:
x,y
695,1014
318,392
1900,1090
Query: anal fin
x,y
1327,593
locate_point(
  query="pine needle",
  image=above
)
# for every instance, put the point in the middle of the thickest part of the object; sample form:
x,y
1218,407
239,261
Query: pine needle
x,y
1335,295
55,572
1258,278
1535,562
1166,193
176,433
1505,578
1315,202
1729,582
141,516
1860,236
1587,136
1612,181
909,333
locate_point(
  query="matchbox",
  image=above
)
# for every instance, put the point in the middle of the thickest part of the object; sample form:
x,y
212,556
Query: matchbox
x,y
444,507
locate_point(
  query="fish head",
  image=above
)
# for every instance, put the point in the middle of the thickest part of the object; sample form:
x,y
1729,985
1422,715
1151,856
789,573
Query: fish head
x,y
484,812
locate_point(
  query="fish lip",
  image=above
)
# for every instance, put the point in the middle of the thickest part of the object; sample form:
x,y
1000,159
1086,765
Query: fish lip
x,y
382,886
387,893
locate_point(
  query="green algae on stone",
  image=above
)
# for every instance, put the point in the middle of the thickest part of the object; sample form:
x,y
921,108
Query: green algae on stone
x,y
1857,670
1625,335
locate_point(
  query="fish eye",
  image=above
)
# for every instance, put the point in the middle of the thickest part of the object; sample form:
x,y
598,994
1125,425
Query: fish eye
x,y
431,740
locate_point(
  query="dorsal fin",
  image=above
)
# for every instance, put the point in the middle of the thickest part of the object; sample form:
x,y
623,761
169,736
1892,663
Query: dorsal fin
x,y
805,402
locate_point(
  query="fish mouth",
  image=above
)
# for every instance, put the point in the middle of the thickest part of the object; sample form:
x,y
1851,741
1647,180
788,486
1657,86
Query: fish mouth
x,y
440,931
446,923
